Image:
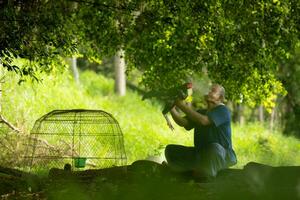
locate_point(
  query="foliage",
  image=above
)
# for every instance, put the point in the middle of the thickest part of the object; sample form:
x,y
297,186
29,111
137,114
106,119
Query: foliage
x,y
239,44
289,106
28,31
145,130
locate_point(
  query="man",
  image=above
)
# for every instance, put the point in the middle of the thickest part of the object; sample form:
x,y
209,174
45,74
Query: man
x,y
212,149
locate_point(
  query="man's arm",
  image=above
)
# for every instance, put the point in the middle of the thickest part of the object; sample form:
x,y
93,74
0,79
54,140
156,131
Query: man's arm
x,y
181,121
193,115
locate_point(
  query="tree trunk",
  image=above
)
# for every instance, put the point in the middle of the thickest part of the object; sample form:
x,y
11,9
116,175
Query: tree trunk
x,y
120,77
272,118
261,114
240,114
75,70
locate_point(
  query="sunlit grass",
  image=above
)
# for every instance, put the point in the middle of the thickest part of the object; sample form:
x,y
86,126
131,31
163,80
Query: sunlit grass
x,y
144,128
254,142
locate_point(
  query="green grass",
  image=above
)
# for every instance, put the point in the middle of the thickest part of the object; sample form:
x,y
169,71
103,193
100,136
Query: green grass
x,y
254,142
144,128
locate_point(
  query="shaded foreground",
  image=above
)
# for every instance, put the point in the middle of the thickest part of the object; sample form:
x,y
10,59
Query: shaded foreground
x,y
149,180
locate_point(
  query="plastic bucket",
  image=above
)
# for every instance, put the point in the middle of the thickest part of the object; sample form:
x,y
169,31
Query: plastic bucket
x,y
80,162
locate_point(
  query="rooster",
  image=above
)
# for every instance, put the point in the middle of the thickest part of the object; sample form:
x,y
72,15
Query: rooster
x,y
169,96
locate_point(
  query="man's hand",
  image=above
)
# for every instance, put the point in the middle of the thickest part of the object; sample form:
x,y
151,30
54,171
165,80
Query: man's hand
x,y
178,119
179,102
182,105
192,114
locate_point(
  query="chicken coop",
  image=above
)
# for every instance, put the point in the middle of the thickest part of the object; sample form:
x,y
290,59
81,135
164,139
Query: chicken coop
x,y
85,139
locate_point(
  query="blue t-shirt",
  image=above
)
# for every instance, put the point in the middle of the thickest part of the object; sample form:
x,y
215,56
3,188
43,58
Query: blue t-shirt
x,y
219,131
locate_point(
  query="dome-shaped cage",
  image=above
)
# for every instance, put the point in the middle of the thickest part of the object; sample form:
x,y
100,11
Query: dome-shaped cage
x,y
83,138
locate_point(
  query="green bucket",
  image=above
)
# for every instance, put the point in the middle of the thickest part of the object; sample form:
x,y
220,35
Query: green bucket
x,y
79,162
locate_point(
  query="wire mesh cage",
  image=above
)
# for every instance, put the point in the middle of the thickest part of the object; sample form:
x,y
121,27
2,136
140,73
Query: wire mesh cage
x,y
83,138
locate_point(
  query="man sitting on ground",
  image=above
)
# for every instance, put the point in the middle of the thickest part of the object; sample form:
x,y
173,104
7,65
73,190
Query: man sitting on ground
x,y
212,149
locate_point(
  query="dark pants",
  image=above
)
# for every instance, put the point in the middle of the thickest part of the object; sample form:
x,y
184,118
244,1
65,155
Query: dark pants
x,y
208,160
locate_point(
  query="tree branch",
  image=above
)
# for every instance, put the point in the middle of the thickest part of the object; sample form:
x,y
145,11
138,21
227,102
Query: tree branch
x,y
3,120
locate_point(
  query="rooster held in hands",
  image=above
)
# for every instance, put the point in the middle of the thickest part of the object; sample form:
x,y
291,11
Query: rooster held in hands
x,y
168,97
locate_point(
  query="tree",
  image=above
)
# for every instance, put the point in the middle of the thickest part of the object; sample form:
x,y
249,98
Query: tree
x,y
289,74
239,43
75,70
120,76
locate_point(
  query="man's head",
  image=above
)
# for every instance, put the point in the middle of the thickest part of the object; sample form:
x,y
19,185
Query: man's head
x,y
216,95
